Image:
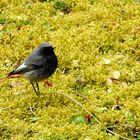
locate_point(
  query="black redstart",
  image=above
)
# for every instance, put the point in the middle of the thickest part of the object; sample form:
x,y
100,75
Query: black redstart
x,y
40,65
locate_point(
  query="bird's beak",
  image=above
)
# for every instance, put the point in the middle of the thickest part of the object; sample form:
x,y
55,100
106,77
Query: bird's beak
x,y
54,47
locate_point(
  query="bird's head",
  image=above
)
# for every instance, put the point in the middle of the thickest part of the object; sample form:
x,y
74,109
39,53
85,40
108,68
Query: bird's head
x,y
46,49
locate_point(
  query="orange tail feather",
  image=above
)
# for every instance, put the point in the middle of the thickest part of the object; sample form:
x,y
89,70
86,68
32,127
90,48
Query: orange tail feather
x,y
4,78
11,76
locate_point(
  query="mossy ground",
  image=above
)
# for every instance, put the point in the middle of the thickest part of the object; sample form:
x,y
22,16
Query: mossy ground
x,y
93,39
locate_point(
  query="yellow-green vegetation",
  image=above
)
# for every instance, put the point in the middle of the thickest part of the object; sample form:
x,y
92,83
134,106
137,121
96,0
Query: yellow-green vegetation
x,y
98,47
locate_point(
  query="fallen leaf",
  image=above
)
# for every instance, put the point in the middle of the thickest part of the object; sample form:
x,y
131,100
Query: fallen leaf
x,y
115,75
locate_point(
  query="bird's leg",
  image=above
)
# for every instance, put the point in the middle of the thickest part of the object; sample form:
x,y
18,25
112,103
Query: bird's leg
x,y
37,88
47,83
34,88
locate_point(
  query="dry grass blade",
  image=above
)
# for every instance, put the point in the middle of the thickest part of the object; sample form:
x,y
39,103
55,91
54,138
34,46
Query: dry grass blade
x,y
79,104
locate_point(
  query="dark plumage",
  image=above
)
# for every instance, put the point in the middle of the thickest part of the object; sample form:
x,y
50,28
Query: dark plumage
x,y
40,65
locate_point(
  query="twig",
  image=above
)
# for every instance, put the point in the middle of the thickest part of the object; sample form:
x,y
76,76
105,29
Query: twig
x,y
2,122
79,104
113,133
32,110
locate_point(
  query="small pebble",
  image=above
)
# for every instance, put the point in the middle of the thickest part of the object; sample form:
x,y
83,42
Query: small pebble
x,y
107,61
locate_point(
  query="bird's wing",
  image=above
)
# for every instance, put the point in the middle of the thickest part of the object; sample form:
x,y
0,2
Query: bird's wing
x,y
22,68
31,63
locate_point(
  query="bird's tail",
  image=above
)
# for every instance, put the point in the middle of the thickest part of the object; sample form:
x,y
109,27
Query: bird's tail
x,y
4,78
10,76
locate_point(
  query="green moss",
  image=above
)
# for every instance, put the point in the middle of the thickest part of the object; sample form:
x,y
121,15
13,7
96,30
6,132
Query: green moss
x,y
85,34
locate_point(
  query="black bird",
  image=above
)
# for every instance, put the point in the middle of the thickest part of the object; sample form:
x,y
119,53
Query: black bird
x,y
40,65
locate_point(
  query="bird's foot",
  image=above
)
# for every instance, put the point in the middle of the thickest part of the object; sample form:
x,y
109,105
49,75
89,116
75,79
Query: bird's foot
x,y
46,83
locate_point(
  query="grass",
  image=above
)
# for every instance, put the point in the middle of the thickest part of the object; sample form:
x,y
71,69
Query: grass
x,y
97,44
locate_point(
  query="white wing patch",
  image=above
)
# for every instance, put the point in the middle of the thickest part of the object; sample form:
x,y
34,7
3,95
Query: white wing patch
x,y
21,67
